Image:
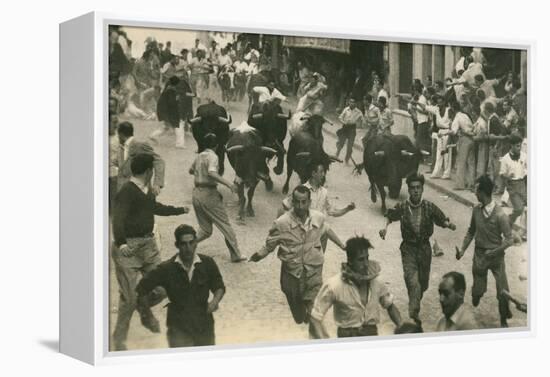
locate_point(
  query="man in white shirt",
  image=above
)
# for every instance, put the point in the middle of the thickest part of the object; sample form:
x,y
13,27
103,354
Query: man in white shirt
x,y
357,295
463,128
240,66
170,68
319,197
513,170
442,166
350,117
422,134
456,316
268,93
224,59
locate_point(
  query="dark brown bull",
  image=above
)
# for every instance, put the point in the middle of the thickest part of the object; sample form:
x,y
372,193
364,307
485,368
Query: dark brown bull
x,y
387,160
306,149
268,118
212,118
247,156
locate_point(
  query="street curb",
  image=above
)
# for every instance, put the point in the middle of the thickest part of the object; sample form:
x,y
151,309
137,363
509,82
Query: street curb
x,y
429,182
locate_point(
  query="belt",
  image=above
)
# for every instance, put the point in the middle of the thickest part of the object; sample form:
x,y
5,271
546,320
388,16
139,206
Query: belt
x,y
205,185
417,242
364,330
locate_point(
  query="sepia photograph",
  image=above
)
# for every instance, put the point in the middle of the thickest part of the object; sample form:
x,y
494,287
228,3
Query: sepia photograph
x,y
269,189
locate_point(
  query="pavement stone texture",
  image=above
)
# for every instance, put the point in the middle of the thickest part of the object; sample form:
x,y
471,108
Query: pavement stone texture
x,y
254,310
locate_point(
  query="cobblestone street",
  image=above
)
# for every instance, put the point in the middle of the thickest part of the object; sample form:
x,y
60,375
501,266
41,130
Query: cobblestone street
x,y
254,309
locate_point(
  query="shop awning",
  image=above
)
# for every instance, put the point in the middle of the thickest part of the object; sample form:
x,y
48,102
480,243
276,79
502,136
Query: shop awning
x,y
327,44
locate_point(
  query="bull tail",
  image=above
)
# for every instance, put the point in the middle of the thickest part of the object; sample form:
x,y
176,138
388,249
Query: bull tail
x,y
373,191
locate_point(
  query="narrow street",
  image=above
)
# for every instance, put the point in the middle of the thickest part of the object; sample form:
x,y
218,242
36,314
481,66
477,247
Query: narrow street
x,y
254,309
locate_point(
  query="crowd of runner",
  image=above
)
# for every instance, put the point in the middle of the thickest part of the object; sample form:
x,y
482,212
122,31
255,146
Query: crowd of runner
x,y
460,122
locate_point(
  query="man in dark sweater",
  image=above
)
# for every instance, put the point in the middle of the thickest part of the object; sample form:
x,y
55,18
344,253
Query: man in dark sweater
x,y
188,279
417,217
488,226
134,249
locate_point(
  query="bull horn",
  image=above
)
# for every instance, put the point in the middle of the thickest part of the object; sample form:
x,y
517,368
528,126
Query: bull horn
x,y
235,148
268,150
425,153
379,153
257,116
406,153
225,120
303,154
282,116
195,119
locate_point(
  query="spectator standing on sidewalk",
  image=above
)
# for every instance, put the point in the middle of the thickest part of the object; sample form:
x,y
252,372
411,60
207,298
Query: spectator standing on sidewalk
x,y
422,132
442,166
510,118
463,127
497,143
371,119
513,170
386,117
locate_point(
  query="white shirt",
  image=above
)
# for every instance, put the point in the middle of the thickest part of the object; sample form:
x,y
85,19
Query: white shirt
x,y
349,310
351,116
142,186
125,146
319,200
422,118
488,209
252,52
511,169
459,66
442,122
224,60
265,95
462,124
462,319
252,68
383,93
113,155
189,270
240,67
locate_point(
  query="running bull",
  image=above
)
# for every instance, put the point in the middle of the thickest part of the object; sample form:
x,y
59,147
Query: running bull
x,y
212,118
306,149
247,156
387,160
268,118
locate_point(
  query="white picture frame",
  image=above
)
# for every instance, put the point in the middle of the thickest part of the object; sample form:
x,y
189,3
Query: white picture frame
x,y
84,219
